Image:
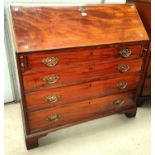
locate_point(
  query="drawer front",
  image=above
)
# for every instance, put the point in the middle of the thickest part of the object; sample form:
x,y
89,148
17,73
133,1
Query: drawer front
x,y
77,93
66,58
56,117
76,75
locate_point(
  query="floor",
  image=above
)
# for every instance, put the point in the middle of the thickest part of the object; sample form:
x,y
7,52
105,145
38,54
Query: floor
x,y
112,135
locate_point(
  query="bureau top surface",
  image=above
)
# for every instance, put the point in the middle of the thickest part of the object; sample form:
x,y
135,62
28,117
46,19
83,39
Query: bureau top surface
x,y
54,27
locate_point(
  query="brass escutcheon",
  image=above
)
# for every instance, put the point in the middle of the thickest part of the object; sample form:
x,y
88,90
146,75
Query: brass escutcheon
x,y
52,98
123,68
50,61
118,102
50,79
125,53
53,117
122,85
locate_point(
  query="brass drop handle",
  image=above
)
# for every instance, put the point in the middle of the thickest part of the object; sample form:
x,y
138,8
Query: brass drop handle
x,y
122,85
123,68
50,61
51,79
52,98
53,117
118,102
125,52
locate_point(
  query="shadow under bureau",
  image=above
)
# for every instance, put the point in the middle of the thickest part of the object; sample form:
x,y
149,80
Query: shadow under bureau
x,y
77,63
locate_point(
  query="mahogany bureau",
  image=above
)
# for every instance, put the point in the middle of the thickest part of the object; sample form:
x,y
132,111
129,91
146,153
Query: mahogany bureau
x,y
77,63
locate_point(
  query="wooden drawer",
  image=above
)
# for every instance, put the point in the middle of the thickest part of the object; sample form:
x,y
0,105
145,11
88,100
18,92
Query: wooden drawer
x,y
76,93
56,117
73,57
76,75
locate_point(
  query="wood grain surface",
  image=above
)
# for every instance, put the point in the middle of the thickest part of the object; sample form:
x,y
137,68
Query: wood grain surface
x,y
76,93
78,111
86,72
55,27
75,57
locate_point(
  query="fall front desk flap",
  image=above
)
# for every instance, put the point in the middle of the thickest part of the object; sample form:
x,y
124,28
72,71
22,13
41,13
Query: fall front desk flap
x,y
54,27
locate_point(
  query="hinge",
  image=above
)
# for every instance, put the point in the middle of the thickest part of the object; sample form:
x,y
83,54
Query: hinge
x,y
23,62
144,53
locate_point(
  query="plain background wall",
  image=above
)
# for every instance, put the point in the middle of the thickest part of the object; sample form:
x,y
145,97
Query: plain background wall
x,y
8,94
67,1
56,1
115,1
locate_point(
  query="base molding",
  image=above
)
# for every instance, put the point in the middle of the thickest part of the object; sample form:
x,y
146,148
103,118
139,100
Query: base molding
x,y
32,139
